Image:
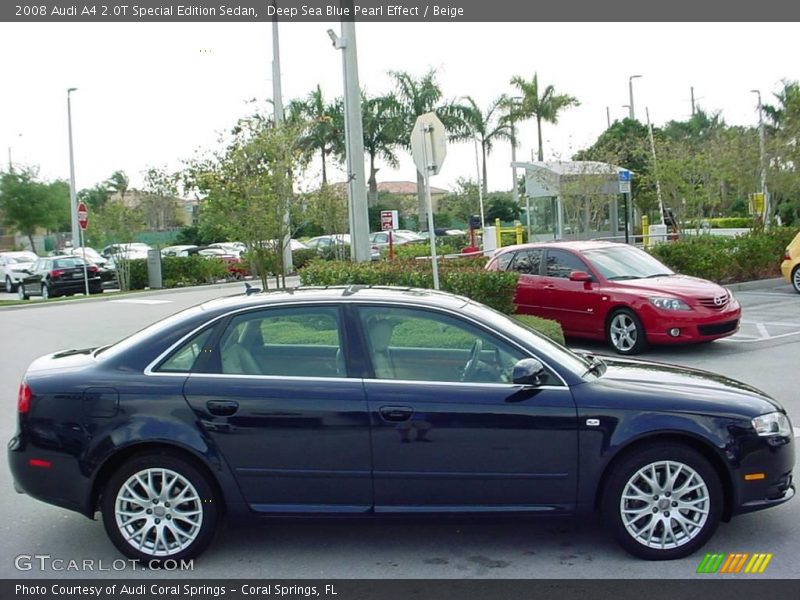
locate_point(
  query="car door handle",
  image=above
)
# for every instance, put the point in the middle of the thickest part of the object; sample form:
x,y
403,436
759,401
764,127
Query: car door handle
x,y
222,408
396,413
549,286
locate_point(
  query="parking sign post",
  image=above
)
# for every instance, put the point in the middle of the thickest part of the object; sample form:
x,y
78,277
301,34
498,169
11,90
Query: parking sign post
x,y
83,221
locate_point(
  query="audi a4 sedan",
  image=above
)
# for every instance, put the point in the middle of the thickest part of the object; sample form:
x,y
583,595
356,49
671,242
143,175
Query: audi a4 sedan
x,y
617,293
360,401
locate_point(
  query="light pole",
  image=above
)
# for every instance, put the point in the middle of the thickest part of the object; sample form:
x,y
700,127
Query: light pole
x,y
763,157
277,103
632,114
513,103
73,200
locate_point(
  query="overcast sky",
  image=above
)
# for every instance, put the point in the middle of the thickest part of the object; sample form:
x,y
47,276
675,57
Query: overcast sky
x,y
154,94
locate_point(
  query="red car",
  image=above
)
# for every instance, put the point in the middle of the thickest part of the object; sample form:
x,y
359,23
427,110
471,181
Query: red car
x,y
618,293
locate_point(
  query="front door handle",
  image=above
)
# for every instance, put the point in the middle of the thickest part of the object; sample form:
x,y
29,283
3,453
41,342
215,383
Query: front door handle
x,y
396,414
222,408
550,287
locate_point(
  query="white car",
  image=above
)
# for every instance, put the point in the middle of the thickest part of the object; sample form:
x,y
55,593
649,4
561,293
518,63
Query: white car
x,y
12,267
180,250
131,250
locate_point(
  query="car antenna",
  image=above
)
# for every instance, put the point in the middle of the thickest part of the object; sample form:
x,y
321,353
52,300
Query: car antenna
x,y
249,289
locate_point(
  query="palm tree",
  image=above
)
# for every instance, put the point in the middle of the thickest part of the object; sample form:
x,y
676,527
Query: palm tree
x,y
417,97
544,106
485,127
325,133
383,128
118,182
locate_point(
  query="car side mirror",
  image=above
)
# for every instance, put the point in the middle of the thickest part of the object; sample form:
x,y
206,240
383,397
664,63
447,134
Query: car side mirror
x,y
26,271
529,371
580,276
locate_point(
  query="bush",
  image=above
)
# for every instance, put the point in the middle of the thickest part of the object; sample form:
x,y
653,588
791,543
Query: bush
x,y
754,255
465,277
546,327
179,271
724,223
300,258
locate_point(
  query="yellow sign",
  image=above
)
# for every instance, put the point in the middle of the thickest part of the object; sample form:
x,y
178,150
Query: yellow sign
x,y
757,203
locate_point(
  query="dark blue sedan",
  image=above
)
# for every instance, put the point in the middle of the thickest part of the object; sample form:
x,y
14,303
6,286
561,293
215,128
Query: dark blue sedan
x,y
378,401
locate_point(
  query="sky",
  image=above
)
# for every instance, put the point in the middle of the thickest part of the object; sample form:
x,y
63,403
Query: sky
x,y
155,94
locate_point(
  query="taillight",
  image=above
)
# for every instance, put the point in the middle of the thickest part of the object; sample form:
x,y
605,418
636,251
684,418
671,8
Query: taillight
x,y
786,256
24,398
56,273
92,269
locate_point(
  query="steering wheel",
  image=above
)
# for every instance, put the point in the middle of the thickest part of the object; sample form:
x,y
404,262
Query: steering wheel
x,y
474,360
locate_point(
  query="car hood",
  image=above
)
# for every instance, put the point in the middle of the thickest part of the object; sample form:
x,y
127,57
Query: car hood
x,y
680,285
20,266
687,389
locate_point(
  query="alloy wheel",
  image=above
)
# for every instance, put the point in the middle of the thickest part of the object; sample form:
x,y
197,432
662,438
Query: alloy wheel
x,y
665,505
796,279
9,285
158,512
45,292
623,331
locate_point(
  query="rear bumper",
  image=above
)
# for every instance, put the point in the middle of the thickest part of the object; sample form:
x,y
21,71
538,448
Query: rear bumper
x,y
786,269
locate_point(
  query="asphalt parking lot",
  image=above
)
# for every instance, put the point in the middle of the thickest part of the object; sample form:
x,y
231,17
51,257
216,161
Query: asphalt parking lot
x,y
764,353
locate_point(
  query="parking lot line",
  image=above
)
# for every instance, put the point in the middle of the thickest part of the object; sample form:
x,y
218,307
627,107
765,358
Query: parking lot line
x,y
140,301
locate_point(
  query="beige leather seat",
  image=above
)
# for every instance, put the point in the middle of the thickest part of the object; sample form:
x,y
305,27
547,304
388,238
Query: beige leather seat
x,y
380,335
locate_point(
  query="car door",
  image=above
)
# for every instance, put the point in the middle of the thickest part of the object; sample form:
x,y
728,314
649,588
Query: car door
x,y
449,439
530,285
32,283
574,304
274,396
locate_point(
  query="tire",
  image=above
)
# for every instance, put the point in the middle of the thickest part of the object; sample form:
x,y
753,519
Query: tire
x,y
46,295
625,332
96,290
796,279
183,538
21,293
11,287
648,527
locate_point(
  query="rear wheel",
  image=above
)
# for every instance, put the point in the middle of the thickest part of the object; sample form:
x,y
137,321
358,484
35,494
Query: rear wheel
x,y
46,295
159,506
663,502
21,293
11,287
796,279
625,332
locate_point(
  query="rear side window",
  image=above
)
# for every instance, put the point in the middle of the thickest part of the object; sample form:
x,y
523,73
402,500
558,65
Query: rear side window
x,y
184,358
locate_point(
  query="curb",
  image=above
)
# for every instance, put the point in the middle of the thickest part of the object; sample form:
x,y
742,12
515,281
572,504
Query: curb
x,y
760,284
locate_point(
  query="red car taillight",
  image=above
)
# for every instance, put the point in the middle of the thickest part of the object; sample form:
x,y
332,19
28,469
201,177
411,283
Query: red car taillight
x,y
24,398
786,256
92,269
56,273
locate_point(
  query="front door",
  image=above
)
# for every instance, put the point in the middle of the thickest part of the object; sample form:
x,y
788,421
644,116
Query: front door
x,y
575,304
450,431
275,397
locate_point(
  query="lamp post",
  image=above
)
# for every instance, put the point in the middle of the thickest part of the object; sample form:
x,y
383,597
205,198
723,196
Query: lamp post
x,y
632,114
277,103
512,106
73,201
763,157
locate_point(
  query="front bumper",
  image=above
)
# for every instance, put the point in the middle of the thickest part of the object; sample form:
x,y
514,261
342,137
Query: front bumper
x,y
697,325
774,457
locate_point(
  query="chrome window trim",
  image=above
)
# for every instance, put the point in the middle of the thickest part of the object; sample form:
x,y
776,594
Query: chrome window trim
x,y
341,301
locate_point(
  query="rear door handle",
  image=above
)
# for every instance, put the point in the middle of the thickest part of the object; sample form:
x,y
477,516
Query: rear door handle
x,y
396,414
222,408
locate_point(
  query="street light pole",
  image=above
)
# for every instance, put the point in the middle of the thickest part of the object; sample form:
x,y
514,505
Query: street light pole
x,y
511,108
73,199
277,103
632,114
763,158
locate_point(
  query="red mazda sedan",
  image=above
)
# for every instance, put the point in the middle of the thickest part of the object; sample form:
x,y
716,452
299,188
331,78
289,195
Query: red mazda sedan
x,y
618,293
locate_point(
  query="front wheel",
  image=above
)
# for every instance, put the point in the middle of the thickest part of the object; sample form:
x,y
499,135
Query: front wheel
x,y
11,287
663,502
46,295
796,279
159,507
21,293
625,332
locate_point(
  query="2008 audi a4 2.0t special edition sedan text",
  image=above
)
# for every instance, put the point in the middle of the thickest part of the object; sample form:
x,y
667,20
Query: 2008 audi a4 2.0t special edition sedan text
x,y
366,401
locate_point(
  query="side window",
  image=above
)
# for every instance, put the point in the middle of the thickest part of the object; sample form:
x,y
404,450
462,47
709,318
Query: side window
x,y
561,263
300,342
420,345
184,358
528,261
504,260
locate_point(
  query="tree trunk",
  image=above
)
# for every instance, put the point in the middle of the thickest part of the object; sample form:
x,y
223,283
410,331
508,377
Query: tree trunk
x,y
324,172
483,183
539,128
373,182
33,246
423,207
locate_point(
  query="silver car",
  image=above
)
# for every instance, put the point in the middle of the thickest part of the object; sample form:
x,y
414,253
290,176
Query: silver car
x,y
12,267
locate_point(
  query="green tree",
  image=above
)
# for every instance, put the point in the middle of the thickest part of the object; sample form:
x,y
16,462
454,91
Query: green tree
x,y
27,204
160,205
542,105
383,128
486,127
116,223
324,132
463,201
500,205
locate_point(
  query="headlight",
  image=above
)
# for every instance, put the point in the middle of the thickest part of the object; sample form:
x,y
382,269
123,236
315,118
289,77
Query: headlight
x,y
774,423
667,303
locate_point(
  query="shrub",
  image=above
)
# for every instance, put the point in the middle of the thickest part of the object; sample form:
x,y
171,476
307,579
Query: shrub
x,y
754,255
546,327
178,271
465,277
724,223
300,258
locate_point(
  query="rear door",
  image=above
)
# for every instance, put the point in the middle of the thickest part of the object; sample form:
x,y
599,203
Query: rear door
x,y
275,396
530,286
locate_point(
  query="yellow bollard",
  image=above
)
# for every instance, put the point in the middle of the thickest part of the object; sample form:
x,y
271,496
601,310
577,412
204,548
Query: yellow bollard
x,y
646,231
499,233
518,231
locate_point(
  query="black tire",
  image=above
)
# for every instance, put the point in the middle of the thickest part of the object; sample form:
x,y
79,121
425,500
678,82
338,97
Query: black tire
x,y
796,279
46,293
21,293
698,532
11,287
636,342
98,290
199,488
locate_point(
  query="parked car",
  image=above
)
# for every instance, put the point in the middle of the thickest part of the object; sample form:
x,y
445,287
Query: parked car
x,y
381,238
411,401
790,267
55,276
13,266
618,293
234,264
325,244
180,250
104,265
130,250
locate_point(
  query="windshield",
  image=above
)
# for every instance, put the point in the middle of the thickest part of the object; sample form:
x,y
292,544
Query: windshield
x,y
625,262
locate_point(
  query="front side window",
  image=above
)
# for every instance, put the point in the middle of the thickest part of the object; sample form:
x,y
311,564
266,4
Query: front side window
x,y
504,260
420,345
297,342
561,263
527,262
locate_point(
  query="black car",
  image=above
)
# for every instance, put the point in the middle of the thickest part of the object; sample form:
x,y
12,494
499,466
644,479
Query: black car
x,y
363,401
59,276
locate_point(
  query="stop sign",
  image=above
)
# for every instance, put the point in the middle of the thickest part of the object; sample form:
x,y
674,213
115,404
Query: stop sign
x,y
83,215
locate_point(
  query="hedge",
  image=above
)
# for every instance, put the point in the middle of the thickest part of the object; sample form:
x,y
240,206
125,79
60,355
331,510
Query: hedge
x,y
179,271
462,276
723,223
546,327
754,255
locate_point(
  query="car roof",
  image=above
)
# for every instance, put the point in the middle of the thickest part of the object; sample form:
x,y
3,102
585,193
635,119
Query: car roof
x,y
576,245
349,293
